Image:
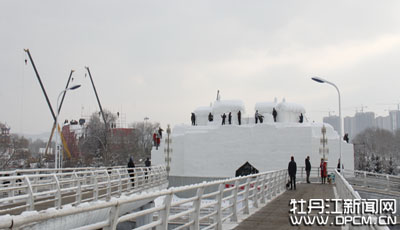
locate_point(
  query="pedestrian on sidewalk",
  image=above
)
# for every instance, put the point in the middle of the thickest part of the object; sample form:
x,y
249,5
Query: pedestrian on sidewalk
x,y
308,168
324,172
292,168
131,171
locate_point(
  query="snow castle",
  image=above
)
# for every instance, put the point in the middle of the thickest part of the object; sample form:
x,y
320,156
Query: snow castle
x,y
209,150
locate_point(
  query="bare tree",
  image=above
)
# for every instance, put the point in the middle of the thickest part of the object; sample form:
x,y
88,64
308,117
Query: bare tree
x,y
377,150
94,146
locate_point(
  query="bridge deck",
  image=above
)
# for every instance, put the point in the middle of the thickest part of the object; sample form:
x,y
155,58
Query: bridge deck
x,y
276,214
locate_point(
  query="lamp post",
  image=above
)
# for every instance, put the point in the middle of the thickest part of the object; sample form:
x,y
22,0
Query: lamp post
x,y
321,80
57,161
144,134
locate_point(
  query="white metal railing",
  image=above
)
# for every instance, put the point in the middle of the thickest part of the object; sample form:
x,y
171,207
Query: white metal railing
x,y
378,181
19,172
42,191
346,191
227,199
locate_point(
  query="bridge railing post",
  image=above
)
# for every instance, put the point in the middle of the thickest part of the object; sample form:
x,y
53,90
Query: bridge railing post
x,y
164,214
255,192
108,185
58,193
113,220
78,197
234,201
365,179
30,201
272,190
387,183
96,186
246,197
119,182
195,216
262,190
218,207
11,193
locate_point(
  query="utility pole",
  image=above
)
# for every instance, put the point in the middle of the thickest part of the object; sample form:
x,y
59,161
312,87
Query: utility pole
x,y
324,151
168,150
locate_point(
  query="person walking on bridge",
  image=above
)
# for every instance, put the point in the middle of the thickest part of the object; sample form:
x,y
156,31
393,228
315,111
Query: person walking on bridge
x,y
324,172
292,168
131,171
308,169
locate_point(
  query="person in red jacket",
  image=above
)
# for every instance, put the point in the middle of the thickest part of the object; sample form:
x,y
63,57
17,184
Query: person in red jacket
x,y
324,171
155,139
158,141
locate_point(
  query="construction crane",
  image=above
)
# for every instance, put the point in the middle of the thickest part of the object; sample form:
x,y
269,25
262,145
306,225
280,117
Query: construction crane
x,y
48,103
101,109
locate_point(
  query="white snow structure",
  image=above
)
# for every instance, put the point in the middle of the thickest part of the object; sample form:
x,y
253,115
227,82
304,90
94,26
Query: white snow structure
x,y
202,114
289,112
213,151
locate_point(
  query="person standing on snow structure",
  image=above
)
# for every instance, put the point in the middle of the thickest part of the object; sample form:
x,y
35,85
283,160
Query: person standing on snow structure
x,y
308,169
301,118
256,116
239,114
155,139
292,169
223,119
230,118
193,118
158,141
274,114
346,137
210,117
261,118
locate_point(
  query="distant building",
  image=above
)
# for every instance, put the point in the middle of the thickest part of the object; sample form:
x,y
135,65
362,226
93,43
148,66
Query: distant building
x,y
333,121
383,123
364,120
394,119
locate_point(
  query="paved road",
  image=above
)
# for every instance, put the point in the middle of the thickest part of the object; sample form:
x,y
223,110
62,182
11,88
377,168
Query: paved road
x,y
276,214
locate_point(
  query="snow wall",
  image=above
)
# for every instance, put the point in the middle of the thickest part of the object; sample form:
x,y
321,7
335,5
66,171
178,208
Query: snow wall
x,y
218,151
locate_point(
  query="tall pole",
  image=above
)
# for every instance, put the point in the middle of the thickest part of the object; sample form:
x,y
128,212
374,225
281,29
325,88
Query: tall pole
x,y
44,91
102,113
320,80
58,110
57,160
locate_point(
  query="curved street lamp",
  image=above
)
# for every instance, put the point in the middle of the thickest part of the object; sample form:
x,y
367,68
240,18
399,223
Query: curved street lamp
x,y
57,161
321,80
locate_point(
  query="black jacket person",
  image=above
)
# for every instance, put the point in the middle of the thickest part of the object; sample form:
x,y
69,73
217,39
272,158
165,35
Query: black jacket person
x,y
292,168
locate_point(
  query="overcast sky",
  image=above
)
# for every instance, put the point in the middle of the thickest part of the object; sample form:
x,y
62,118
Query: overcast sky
x,y
162,59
